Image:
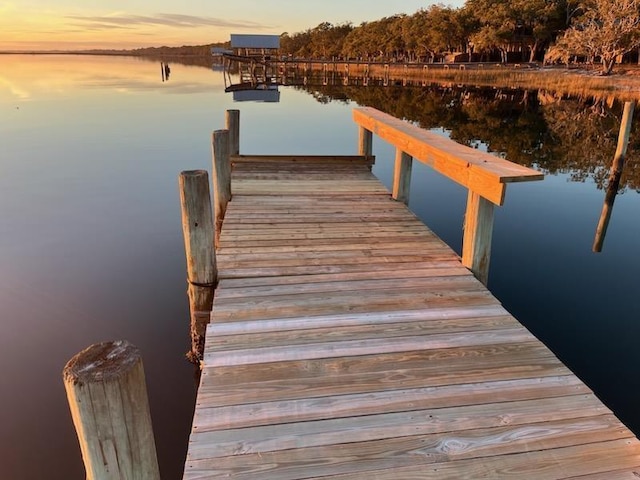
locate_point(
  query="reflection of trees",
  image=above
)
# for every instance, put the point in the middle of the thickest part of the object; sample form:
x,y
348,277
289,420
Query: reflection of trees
x,y
588,133
571,136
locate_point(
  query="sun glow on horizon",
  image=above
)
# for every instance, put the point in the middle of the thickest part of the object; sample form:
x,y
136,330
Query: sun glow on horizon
x,y
56,31
39,25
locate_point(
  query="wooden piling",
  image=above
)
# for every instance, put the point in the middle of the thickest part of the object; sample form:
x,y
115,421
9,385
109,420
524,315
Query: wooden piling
x,y
478,232
108,400
221,176
615,173
365,141
402,176
198,233
232,123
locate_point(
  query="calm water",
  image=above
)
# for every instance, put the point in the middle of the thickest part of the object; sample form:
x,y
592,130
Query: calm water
x,y
91,246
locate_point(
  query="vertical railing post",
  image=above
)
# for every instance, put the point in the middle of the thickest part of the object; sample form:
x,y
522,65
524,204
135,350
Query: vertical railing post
x,y
365,142
198,233
221,176
110,409
402,176
478,230
232,123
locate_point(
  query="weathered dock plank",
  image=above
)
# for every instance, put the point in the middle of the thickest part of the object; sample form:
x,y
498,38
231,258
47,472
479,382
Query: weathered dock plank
x,y
348,342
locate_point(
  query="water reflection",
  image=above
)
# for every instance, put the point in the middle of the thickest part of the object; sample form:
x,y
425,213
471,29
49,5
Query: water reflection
x,y
91,245
249,81
165,71
55,75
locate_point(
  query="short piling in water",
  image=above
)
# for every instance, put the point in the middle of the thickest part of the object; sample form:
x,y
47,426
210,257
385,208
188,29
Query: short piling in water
x,y
108,400
198,233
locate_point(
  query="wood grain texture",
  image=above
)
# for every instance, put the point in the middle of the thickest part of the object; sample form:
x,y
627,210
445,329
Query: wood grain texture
x,y
361,457
390,425
341,406
478,231
198,233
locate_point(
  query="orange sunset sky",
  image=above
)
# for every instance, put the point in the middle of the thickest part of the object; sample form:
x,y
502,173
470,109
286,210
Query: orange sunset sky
x,y
122,24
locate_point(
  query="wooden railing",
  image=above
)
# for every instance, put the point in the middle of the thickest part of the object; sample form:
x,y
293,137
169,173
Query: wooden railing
x,y
485,176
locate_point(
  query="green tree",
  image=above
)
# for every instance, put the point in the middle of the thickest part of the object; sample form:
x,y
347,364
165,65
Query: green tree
x,y
327,40
538,23
296,44
606,31
508,25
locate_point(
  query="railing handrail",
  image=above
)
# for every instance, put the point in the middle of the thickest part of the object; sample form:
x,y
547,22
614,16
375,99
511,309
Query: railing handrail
x,y
481,172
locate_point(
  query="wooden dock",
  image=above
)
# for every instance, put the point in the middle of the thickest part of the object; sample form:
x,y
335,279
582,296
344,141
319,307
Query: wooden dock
x,y
347,341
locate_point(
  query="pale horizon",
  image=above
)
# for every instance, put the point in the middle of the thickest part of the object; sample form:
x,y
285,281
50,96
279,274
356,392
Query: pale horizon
x,y
39,25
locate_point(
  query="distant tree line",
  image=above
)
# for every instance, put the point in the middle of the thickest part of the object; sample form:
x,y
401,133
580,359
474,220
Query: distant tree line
x,y
490,30
183,51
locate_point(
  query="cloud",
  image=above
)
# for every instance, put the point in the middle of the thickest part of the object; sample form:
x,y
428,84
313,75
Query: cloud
x,y
121,21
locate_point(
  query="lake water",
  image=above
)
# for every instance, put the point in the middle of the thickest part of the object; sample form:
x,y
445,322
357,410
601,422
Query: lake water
x,y
91,243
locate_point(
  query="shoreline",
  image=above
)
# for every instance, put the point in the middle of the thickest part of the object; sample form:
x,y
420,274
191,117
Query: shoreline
x,y
580,80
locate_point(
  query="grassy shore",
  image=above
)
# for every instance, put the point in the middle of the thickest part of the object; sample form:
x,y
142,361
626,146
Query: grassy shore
x,y
623,84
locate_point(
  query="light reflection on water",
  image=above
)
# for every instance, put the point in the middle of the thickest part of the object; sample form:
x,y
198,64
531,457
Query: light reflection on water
x,y
91,247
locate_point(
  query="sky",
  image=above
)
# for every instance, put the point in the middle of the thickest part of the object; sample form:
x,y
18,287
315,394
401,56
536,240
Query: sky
x,y
123,24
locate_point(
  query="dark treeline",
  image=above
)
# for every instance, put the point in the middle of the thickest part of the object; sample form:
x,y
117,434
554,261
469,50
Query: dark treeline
x,y
481,30
534,128
184,51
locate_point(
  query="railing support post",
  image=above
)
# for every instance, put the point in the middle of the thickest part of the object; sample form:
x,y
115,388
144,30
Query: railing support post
x,y
365,142
402,176
197,229
110,409
478,230
232,123
221,176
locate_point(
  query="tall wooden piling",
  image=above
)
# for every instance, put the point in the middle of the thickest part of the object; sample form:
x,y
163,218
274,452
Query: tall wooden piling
x,y
198,233
617,166
108,400
232,123
221,175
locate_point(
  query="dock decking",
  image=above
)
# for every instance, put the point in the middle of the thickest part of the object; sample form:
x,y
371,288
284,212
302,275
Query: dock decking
x,y
348,342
